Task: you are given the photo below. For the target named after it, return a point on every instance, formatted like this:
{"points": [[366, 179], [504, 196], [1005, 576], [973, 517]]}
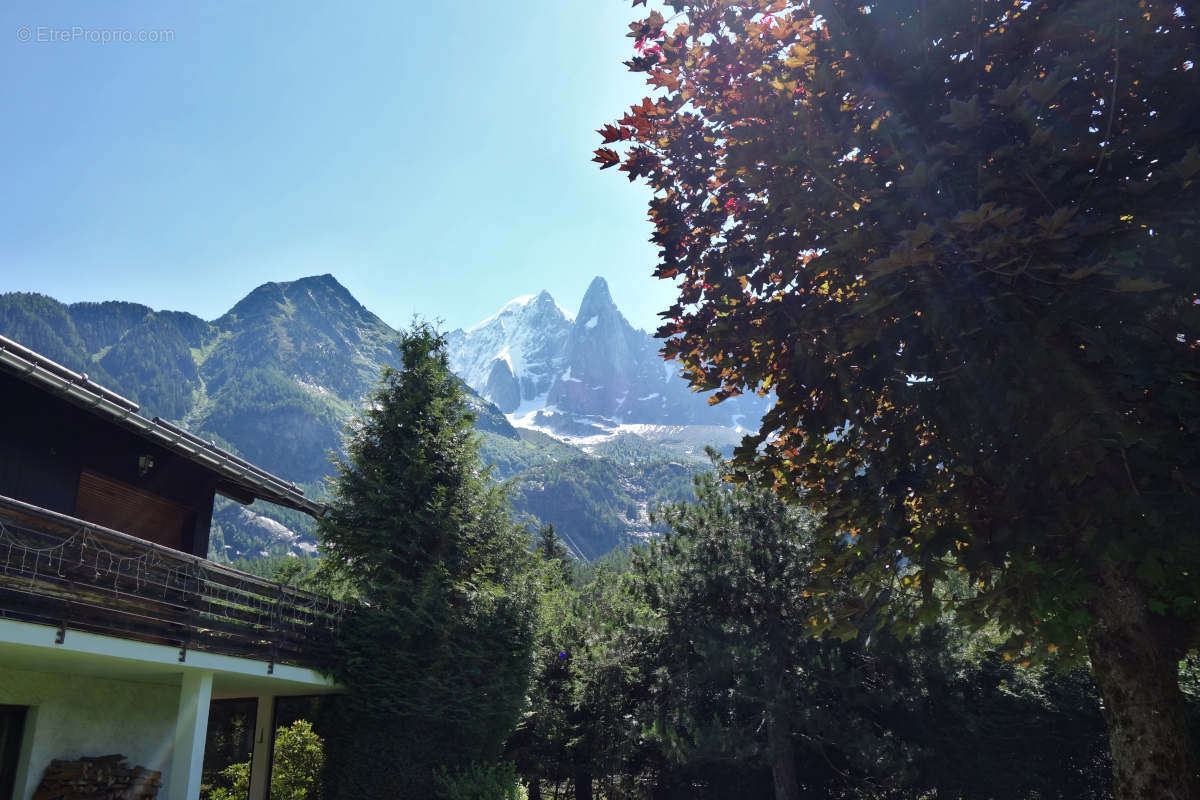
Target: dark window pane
{"points": [[12, 727], [229, 744]]}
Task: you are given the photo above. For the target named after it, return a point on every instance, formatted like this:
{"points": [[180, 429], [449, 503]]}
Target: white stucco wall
{"points": [[79, 715]]}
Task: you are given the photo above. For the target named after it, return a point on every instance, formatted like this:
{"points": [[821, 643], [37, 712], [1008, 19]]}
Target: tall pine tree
{"points": [[435, 660]]}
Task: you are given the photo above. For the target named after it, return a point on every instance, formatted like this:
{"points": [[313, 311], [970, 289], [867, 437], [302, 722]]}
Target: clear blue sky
{"points": [[433, 156]]}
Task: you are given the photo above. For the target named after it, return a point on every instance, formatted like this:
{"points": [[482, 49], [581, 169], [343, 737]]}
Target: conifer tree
{"points": [[734, 596], [435, 660], [551, 549]]}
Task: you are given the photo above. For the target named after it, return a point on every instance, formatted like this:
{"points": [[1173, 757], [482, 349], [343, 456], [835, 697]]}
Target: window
{"points": [[229, 745]]}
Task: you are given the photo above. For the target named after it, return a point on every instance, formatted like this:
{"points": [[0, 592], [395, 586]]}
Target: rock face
{"points": [[503, 388], [610, 366], [571, 372]]}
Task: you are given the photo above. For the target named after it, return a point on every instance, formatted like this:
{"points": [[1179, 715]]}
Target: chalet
{"points": [[117, 634]]}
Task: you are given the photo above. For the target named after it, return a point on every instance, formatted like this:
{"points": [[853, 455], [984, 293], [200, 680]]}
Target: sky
{"points": [[434, 157]]}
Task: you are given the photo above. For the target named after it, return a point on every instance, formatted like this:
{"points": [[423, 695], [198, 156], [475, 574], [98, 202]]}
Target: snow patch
{"points": [[527, 410], [309, 386], [593, 322], [689, 438]]}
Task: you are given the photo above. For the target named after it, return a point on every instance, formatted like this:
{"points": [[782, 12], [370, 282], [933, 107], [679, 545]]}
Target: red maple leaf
{"points": [[606, 158], [611, 133]]}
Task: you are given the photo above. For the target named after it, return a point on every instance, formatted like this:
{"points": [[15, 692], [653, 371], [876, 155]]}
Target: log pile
{"points": [[100, 778]]}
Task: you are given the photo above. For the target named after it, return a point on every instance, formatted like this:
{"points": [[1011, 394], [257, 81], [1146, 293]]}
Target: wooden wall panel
{"points": [[128, 509]]}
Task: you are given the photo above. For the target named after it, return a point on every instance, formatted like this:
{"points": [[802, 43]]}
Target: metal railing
{"points": [[65, 572]]}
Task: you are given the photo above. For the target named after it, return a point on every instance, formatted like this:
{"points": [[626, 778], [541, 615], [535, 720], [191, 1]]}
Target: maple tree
{"points": [[957, 241]]}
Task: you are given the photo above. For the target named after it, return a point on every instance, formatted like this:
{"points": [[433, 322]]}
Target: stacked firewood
{"points": [[100, 778]]}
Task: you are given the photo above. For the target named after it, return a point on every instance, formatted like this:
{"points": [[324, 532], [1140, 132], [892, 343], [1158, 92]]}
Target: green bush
{"points": [[480, 782], [295, 767]]}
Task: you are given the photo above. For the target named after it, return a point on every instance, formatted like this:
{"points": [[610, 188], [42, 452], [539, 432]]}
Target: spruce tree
{"points": [[551, 550], [435, 660]]}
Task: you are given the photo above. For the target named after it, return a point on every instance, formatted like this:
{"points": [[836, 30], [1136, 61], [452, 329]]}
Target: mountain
{"points": [[513, 356], [581, 376], [276, 378], [289, 365]]}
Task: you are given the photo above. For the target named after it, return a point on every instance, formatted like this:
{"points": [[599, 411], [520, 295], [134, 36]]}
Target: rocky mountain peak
{"points": [[325, 285], [275, 378], [316, 293], [514, 355], [597, 301], [537, 363], [262, 301]]}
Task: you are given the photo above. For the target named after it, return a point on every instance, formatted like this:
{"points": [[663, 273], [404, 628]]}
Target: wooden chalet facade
{"points": [[116, 632]]}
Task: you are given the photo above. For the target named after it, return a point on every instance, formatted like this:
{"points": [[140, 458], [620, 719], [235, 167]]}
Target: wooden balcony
{"points": [[60, 571]]}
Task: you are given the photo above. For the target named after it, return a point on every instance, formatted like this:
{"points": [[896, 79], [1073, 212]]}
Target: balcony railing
{"points": [[61, 571]]}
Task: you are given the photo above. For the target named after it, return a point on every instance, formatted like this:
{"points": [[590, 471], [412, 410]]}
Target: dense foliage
{"points": [[596, 501], [435, 657], [957, 241], [155, 356], [46, 325], [687, 672], [128, 347]]}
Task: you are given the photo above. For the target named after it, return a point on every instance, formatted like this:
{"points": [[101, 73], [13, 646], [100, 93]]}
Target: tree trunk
{"points": [[583, 786], [1137, 672], [535, 788], [783, 755]]}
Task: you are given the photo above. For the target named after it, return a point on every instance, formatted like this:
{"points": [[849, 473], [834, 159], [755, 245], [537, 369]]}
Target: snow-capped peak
{"points": [[532, 356], [510, 308], [527, 336]]}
